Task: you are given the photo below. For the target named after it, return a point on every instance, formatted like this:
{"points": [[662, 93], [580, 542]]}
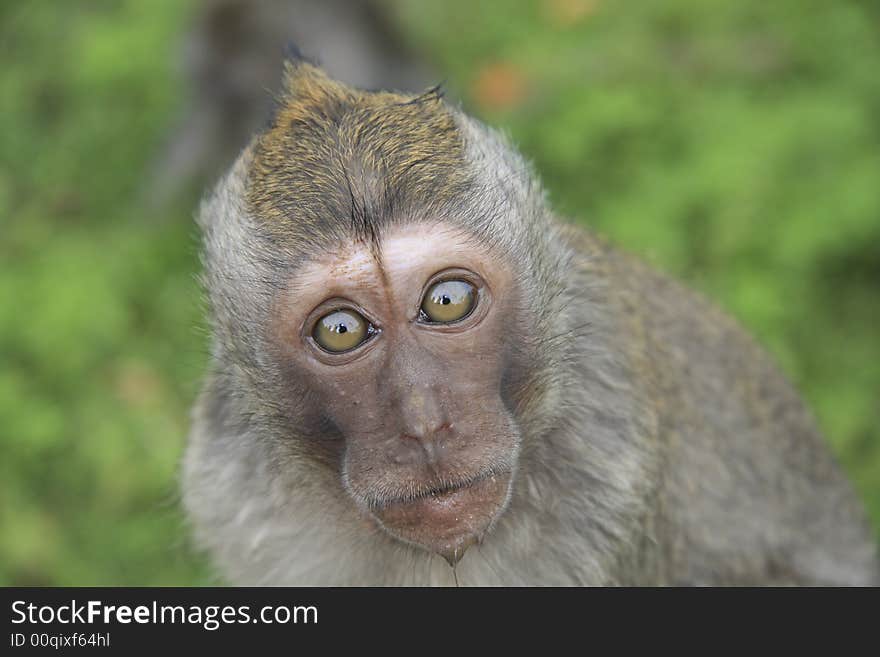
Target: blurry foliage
{"points": [[734, 144], [99, 307]]}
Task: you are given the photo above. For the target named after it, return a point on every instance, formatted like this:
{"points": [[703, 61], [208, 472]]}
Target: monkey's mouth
{"points": [[447, 520]]}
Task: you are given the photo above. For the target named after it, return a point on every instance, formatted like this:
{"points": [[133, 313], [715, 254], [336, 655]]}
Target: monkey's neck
{"points": [[589, 473]]}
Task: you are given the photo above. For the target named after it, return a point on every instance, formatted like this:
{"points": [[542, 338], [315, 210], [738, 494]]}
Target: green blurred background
{"points": [[735, 144]]}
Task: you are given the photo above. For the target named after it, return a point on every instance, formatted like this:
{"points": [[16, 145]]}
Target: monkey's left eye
{"points": [[449, 301], [341, 330]]}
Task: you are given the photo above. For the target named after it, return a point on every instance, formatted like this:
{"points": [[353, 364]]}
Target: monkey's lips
{"points": [[447, 521]]}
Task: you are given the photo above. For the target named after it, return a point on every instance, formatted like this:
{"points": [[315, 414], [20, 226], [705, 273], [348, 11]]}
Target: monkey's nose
{"points": [[430, 439], [422, 415]]}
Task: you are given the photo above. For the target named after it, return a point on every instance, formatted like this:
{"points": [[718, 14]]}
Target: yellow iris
{"points": [[449, 301], [341, 330]]}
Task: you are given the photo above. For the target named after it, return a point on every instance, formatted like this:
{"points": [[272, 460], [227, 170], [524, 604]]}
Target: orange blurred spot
{"points": [[137, 384], [499, 86], [565, 13]]}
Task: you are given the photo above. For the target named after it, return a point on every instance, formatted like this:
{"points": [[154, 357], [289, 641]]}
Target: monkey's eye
{"points": [[448, 301], [341, 330]]}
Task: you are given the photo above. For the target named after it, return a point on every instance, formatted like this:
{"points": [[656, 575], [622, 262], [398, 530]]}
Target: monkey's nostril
{"points": [[423, 435], [425, 446]]}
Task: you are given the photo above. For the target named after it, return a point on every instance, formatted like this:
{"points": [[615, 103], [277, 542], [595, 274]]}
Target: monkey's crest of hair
{"points": [[338, 159]]}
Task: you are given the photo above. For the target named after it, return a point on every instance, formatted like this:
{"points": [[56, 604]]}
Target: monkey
{"points": [[420, 375]]}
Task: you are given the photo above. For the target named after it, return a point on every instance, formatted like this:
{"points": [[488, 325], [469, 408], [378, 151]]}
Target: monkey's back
{"points": [[749, 491]]}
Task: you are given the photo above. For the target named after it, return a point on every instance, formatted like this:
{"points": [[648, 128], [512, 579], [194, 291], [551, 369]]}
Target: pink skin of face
{"points": [[430, 447]]}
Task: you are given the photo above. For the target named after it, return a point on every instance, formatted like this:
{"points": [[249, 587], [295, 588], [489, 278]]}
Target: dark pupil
{"points": [[444, 300], [341, 328]]}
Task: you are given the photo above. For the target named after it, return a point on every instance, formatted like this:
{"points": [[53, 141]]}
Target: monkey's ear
{"points": [[303, 80], [294, 57], [296, 67]]}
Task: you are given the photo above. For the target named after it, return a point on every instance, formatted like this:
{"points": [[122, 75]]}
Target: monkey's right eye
{"points": [[341, 330]]}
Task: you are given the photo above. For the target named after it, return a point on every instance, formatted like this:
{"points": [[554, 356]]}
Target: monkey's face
{"points": [[406, 349]]}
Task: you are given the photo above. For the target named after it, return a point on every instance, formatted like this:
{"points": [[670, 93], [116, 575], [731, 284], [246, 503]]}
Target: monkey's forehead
{"points": [[394, 269], [336, 159]]}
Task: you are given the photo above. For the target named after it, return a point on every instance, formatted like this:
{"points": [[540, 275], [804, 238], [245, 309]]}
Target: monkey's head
{"points": [[381, 280]]}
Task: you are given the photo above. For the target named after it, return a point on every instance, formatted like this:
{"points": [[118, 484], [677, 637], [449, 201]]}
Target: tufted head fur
{"points": [[342, 162]]}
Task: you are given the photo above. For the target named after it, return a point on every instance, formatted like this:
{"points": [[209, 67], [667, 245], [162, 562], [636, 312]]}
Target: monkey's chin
{"points": [[448, 522]]}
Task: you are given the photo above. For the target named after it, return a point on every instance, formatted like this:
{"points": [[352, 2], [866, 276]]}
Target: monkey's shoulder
{"points": [[691, 346], [747, 471]]}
